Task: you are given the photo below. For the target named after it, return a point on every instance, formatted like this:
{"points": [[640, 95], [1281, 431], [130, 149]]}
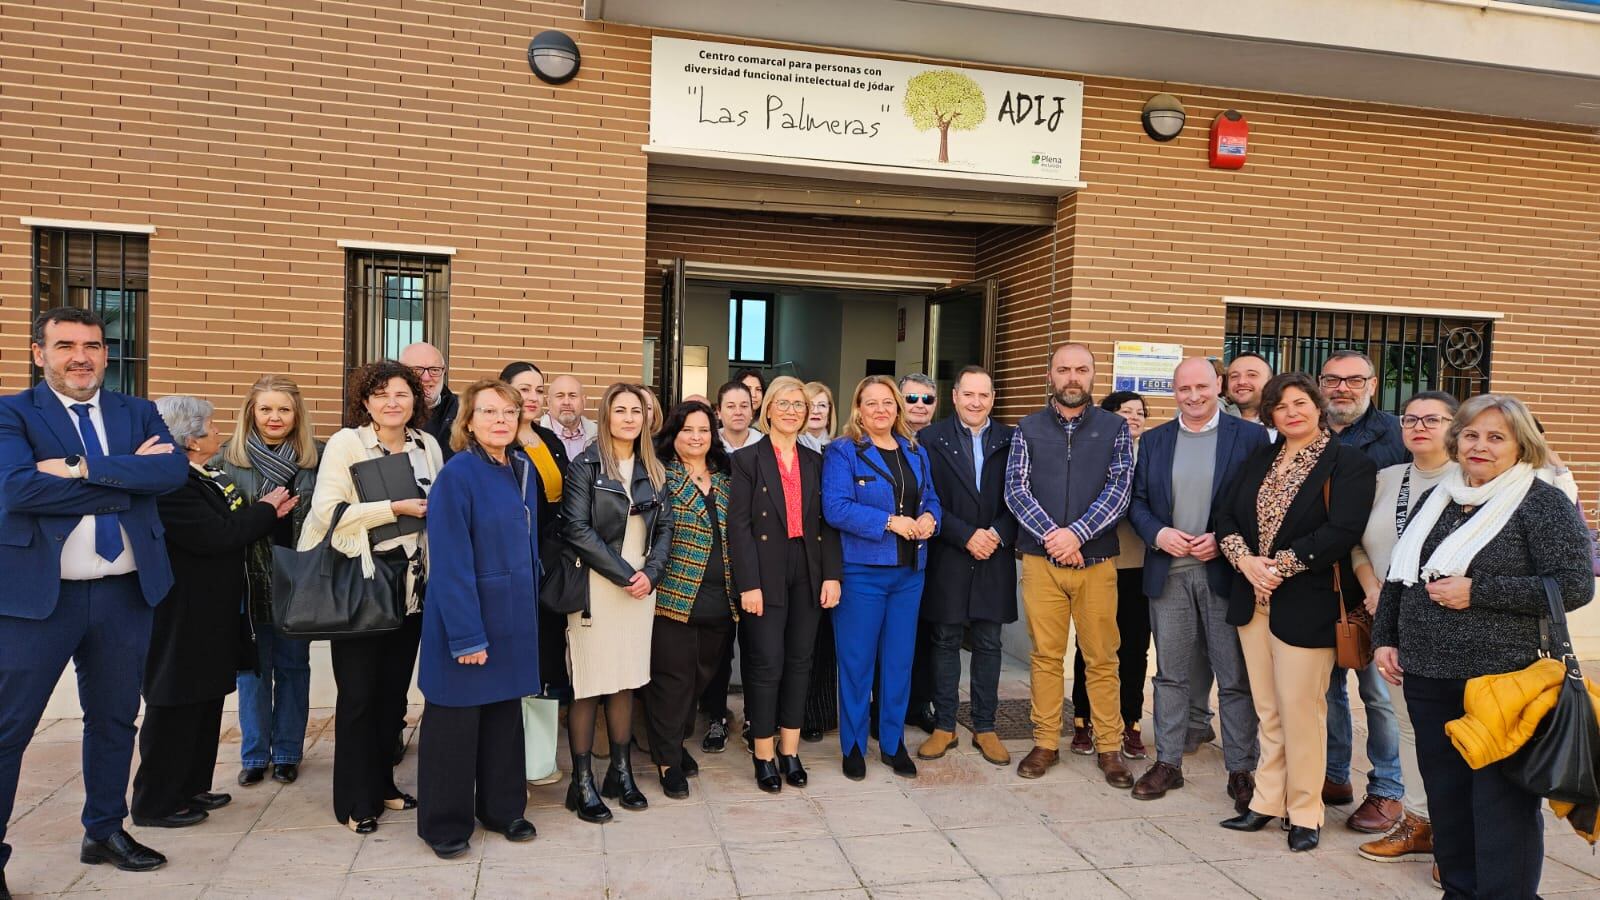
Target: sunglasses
{"points": [[639, 509], [923, 399]]}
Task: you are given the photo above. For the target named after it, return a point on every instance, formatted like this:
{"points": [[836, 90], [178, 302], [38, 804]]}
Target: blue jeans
{"points": [[984, 687], [1383, 733], [274, 706]]}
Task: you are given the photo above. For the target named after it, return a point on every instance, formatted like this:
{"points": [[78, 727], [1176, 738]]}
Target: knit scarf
{"points": [[278, 465], [1495, 501]]}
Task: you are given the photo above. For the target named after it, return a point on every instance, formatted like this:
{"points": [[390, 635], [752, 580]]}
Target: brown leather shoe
{"points": [[1082, 739], [1414, 834], [1242, 789], [1133, 743], [988, 744], [1116, 772], [1037, 762], [1375, 815], [1157, 780], [1336, 794], [937, 744]]}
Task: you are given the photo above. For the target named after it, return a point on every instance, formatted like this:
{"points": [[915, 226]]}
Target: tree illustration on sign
{"points": [[943, 99]]}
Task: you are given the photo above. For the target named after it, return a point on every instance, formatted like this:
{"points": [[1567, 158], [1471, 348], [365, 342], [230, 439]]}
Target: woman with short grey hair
{"points": [[198, 638]]}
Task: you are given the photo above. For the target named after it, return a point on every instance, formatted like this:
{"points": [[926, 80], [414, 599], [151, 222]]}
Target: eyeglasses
{"points": [[1430, 423], [509, 415], [1332, 382], [428, 371], [790, 405], [922, 399], [639, 509]]}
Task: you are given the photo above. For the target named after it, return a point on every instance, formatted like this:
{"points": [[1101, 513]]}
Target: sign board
{"points": [[799, 104], [1144, 367]]}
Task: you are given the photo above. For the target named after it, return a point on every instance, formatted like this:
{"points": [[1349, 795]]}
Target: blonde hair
{"points": [[815, 389], [644, 451], [856, 430], [781, 384], [1531, 446], [653, 404], [460, 436], [302, 436]]}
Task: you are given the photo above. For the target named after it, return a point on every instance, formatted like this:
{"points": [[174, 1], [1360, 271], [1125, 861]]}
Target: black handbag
{"points": [[565, 587], [321, 594], [1560, 760]]}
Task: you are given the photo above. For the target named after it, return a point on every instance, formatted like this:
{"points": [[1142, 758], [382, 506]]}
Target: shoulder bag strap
{"points": [[1553, 637], [1338, 588]]}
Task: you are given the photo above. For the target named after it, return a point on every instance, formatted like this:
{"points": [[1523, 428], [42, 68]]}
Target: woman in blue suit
{"points": [[480, 628], [878, 492]]}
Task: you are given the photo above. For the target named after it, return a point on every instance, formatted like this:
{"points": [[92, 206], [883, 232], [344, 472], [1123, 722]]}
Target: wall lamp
{"points": [[1162, 117], [554, 57]]}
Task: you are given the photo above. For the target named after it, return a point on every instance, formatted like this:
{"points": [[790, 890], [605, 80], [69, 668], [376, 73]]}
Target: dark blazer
{"points": [[38, 511], [549, 514], [857, 499], [483, 592], [758, 525], [1151, 507], [200, 639], [960, 588], [552, 626], [595, 508], [1304, 607]]}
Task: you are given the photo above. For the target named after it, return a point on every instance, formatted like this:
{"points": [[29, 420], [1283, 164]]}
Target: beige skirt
{"points": [[612, 652]]}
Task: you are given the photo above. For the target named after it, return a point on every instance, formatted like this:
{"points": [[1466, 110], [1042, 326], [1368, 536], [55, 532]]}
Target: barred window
{"points": [[393, 300], [105, 271]]}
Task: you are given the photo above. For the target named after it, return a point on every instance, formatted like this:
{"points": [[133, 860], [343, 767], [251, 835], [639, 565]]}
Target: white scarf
{"points": [[1496, 500]]}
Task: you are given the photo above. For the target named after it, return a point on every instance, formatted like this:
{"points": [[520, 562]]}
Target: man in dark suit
{"points": [[972, 566], [82, 549], [1183, 467]]}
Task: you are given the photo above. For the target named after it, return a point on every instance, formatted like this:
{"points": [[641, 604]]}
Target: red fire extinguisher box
{"points": [[1230, 139]]}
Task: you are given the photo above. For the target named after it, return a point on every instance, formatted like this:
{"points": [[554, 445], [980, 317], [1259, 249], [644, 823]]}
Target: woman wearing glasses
{"points": [[618, 519], [786, 569]]}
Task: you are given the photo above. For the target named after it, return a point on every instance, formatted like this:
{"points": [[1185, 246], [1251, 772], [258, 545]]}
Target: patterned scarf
{"points": [[278, 465]]}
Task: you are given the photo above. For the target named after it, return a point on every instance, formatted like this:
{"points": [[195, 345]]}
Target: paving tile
{"points": [[1074, 801], [699, 872], [974, 888], [1211, 842], [1182, 881], [791, 867], [557, 878], [137, 890], [970, 806], [560, 834], [1300, 875], [918, 856], [959, 769], [262, 855], [300, 805], [857, 894], [1023, 849], [326, 886], [193, 857], [782, 818], [658, 827], [879, 813], [56, 819], [400, 848], [1559, 878], [442, 882], [1054, 886], [1123, 842], [44, 868]]}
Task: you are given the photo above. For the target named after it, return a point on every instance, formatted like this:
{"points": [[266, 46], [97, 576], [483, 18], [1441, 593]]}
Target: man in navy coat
{"points": [[85, 564], [1184, 466]]}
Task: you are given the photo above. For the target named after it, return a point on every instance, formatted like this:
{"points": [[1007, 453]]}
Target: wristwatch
{"points": [[74, 464]]}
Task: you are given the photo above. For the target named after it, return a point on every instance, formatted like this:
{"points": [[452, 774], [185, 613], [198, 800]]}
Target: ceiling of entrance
{"points": [[1442, 54]]}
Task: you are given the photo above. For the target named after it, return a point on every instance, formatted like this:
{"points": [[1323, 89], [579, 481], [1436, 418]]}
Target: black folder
{"points": [[389, 478]]}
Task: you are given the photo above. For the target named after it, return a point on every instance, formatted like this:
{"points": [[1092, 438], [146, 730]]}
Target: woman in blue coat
{"points": [[480, 632], [877, 490]]}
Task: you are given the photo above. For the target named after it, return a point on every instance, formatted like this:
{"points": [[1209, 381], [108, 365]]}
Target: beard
{"points": [[1072, 397], [1347, 417]]}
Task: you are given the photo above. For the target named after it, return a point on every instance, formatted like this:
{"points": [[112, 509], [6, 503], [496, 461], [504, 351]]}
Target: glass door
{"points": [[960, 329]]}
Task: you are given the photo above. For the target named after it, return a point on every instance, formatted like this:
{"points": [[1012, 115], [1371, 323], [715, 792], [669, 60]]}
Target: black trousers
{"points": [[714, 698], [1133, 657], [177, 754], [684, 657], [469, 765], [1488, 834], [778, 648], [372, 675], [822, 698]]}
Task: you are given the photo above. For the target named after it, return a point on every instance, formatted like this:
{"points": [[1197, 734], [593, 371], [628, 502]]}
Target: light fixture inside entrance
{"points": [[554, 57], [1163, 117]]}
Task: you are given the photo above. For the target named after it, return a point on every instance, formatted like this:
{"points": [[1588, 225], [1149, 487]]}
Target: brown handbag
{"points": [[1352, 634]]}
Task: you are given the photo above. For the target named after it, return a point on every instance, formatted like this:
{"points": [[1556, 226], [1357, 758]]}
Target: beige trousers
{"points": [[1057, 599], [1289, 685]]}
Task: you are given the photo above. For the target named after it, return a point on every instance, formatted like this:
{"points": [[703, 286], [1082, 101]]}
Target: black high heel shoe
{"points": [[793, 771], [619, 784], [402, 802], [767, 777], [582, 796], [1303, 839], [1249, 820]]}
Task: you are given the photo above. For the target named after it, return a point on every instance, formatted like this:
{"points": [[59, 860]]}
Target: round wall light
{"points": [[554, 57], [1162, 117]]}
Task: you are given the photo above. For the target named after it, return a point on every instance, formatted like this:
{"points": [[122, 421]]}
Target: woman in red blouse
{"points": [[786, 565]]}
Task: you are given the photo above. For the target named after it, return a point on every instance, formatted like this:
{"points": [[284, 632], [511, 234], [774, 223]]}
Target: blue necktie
{"points": [[107, 532]]}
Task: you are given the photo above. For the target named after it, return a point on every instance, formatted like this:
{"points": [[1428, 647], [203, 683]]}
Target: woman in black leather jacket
{"points": [[619, 521]]}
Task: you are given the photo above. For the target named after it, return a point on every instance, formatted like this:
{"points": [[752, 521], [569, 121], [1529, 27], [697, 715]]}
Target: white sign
{"points": [[797, 104], [1145, 368]]}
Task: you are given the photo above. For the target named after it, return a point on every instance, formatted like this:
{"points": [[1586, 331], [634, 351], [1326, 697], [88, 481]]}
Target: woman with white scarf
{"points": [[1463, 598]]}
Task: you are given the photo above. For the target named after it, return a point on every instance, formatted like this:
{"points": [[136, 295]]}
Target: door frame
{"points": [[991, 316]]}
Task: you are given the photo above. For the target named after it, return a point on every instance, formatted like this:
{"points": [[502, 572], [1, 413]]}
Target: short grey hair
{"points": [[185, 417], [918, 378], [1531, 446]]}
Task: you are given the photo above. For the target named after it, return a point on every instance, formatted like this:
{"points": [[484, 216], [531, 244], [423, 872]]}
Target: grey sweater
{"points": [[1499, 630]]}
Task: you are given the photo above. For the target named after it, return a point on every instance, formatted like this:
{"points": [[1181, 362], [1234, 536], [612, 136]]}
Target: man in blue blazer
{"points": [[82, 551], [1184, 466]]}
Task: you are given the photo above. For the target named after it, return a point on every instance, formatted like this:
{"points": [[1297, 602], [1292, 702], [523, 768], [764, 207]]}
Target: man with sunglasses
{"points": [[922, 401]]}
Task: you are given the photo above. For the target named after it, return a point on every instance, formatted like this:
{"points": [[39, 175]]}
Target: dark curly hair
{"points": [[716, 456], [373, 378], [1272, 395]]}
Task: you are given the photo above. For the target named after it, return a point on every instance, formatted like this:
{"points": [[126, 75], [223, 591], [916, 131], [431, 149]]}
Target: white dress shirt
{"points": [[79, 561], [751, 438]]}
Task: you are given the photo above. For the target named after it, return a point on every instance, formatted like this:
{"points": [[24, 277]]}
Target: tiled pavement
{"points": [[964, 829]]}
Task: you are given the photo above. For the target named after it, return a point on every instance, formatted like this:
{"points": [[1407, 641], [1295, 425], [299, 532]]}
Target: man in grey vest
{"points": [[1183, 468], [1068, 482]]}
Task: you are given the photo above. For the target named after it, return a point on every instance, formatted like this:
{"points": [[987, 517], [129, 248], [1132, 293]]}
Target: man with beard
{"points": [[1247, 375], [425, 359], [566, 417], [1348, 381], [1068, 506]]}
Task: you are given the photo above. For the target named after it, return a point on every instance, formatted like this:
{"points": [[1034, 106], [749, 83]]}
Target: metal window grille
{"points": [[108, 272], [1411, 352], [392, 300]]}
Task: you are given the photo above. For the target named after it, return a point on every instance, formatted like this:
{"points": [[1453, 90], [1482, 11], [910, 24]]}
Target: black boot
{"points": [[582, 798], [793, 771], [619, 784], [767, 777]]}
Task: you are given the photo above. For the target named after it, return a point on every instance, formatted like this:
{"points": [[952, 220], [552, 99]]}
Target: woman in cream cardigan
{"points": [[384, 412]]}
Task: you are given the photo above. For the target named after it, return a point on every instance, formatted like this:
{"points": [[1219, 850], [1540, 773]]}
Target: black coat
{"points": [[758, 525], [595, 511], [200, 638], [552, 626], [1304, 607], [960, 588]]}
